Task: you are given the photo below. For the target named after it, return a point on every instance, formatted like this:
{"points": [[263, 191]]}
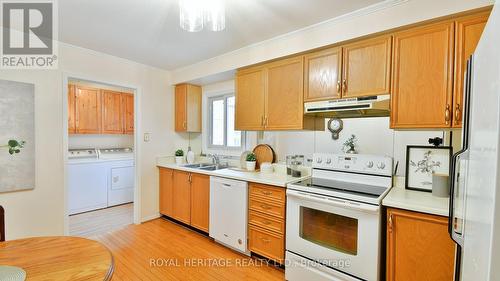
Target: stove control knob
{"points": [[328, 161], [319, 160], [369, 164], [381, 165]]}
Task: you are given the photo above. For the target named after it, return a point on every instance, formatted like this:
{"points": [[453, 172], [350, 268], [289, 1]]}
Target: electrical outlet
{"points": [[147, 137]]}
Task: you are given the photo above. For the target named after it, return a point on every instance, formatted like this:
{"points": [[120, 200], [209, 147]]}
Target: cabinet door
{"points": [[88, 110], [323, 75], [182, 197], [128, 113], [468, 32], [71, 109], [200, 197], [250, 99], [285, 95], [367, 67], [193, 109], [166, 191], [112, 113], [418, 247], [423, 77], [181, 108]]}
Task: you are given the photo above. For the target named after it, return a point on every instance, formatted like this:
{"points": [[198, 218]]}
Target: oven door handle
{"points": [[333, 201]]}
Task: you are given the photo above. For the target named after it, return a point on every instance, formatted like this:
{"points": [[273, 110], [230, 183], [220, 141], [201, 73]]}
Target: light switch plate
{"points": [[147, 137]]}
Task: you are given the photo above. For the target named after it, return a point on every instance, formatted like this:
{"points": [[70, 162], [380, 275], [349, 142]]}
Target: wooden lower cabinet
{"points": [[185, 197], [266, 221], [200, 201], [182, 197], [418, 247], [166, 191]]}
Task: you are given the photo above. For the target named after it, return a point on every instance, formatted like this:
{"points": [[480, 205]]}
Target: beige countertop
{"points": [[278, 178], [417, 201]]}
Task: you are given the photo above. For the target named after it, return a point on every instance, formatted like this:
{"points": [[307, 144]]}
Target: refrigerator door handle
{"points": [[454, 189]]}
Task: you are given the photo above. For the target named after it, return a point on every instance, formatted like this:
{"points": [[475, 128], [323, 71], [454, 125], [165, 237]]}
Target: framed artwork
{"points": [[422, 162], [17, 136]]}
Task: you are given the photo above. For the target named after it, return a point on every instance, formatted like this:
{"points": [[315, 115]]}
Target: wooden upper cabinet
{"points": [[200, 198], [422, 83], [418, 247], [112, 112], [367, 67], [284, 99], [468, 32], [250, 99], [323, 75], [187, 108], [166, 191], [128, 113], [71, 109], [88, 110], [181, 207]]}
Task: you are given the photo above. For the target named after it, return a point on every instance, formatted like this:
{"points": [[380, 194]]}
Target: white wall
{"points": [[42, 211], [100, 141], [387, 15]]}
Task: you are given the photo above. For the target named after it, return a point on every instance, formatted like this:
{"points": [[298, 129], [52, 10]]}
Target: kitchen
{"points": [[342, 145]]}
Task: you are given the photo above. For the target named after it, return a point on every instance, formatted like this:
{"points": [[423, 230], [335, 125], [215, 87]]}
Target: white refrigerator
{"points": [[475, 202]]}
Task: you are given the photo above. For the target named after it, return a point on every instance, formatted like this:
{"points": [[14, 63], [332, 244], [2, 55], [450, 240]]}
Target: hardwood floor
{"points": [[163, 250], [101, 221]]}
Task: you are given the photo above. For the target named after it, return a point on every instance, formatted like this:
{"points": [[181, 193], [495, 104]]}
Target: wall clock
{"points": [[335, 125]]}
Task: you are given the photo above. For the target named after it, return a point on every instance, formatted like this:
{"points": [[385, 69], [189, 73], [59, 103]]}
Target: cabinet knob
{"points": [[457, 114], [447, 114], [390, 222]]}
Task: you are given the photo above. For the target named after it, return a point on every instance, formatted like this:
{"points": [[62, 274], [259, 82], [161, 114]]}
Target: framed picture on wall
{"points": [[422, 162]]}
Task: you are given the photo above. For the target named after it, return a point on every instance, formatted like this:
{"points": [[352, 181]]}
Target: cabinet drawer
{"points": [[267, 207], [267, 244], [268, 192], [267, 222]]}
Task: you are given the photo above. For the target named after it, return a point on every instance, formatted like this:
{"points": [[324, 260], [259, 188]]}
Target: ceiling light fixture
{"points": [[194, 15]]}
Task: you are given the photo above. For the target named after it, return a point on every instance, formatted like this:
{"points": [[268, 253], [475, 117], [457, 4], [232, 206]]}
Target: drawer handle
{"points": [[266, 222], [447, 114], [266, 192], [265, 207], [265, 240]]}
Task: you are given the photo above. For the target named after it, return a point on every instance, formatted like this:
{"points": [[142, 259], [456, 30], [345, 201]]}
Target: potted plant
{"points": [[179, 156], [251, 160]]}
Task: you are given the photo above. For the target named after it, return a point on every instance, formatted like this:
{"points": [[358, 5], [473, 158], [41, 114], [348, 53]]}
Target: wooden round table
{"points": [[58, 258]]}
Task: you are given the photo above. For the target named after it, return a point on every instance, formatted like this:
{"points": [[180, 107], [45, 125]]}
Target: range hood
{"points": [[372, 106]]}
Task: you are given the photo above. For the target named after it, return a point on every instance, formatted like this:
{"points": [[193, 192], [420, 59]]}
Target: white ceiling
{"points": [[147, 31]]}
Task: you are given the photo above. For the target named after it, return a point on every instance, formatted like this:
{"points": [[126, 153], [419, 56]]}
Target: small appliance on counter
{"points": [[333, 220]]}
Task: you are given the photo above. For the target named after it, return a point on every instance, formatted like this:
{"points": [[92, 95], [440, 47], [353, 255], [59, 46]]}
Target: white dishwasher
{"points": [[228, 213]]}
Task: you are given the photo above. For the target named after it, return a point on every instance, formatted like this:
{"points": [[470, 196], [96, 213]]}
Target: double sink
{"points": [[207, 167]]}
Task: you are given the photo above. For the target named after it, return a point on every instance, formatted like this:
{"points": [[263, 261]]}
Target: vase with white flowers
{"points": [[350, 145]]}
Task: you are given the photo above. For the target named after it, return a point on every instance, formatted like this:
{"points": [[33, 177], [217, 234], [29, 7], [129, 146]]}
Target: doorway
{"points": [[101, 178]]}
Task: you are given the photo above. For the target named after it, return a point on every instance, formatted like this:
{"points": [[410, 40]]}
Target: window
{"points": [[221, 123]]}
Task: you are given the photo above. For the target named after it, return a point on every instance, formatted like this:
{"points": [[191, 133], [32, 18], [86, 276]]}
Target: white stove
{"points": [[333, 225]]}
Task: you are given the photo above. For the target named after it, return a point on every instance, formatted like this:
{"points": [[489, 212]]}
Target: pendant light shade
{"points": [[194, 15]]}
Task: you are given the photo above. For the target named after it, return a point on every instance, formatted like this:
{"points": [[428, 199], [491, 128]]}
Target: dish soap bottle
{"points": [[190, 156]]}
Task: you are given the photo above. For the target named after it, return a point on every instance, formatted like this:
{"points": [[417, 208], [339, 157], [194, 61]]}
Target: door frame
{"points": [[137, 140]]}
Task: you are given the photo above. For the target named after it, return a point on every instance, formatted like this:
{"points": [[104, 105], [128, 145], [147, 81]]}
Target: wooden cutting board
{"points": [[263, 153]]}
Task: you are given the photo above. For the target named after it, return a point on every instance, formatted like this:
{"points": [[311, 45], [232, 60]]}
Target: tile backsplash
{"points": [[373, 134]]}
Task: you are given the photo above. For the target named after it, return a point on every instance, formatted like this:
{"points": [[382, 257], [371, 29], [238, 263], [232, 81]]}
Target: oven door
{"points": [[341, 234]]}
